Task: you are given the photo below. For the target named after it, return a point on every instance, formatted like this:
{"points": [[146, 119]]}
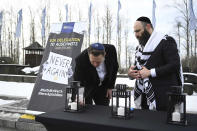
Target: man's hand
{"points": [[144, 73], [133, 73], [109, 93]]}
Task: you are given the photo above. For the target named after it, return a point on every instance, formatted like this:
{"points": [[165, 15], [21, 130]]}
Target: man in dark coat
{"points": [[96, 69], [156, 68]]}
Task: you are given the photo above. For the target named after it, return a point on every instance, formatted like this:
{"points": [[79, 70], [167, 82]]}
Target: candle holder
{"points": [[121, 93], [75, 101], [176, 107]]}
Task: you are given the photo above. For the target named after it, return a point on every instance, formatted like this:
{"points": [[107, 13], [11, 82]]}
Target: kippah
{"points": [[97, 46], [144, 19]]}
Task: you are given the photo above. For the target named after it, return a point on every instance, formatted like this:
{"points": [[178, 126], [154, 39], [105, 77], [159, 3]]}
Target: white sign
{"points": [[56, 68]]}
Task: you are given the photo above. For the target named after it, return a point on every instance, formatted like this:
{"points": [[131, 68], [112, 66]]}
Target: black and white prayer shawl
{"points": [[144, 85], [141, 58]]}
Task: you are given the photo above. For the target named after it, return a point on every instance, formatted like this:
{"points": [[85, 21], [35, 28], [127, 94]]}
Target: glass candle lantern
{"points": [[176, 113], [75, 101], [121, 102]]}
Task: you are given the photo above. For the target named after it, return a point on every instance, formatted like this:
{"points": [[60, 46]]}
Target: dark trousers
{"points": [[144, 102], [98, 94]]}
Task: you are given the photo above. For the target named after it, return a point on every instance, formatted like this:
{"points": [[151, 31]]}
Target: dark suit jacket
{"points": [[87, 74], [165, 59]]}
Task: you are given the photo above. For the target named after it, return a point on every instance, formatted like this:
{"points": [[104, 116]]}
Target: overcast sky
{"points": [[131, 10]]}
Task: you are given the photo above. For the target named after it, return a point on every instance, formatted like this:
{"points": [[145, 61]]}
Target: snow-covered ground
{"points": [[4, 102], [126, 81], [16, 89], [29, 70], [191, 105], [21, 89], [25, 89]]}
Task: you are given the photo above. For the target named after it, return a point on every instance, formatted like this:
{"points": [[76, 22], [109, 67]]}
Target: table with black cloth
{"points": [[98, 118]]}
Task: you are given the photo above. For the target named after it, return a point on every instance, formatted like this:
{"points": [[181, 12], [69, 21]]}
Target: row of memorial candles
{"points": [[121, 103]]}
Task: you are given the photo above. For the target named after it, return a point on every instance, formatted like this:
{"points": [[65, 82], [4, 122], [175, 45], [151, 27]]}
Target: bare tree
{"points": [[126, 32], [183, 10], [103, 35], [195, 38], [191, 50], [32, 27], [79, 14], [98, 28], [119, 41], [12, 25], [3, 36], [60, 15], [1, 25], [178, 25], [43, 26], [107, 22], [131, 51]]}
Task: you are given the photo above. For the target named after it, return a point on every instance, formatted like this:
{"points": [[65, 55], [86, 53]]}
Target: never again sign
{"points": [[56, 68]]}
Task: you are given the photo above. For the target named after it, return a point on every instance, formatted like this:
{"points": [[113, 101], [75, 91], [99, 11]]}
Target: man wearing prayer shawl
{"points": [[157, 67]]}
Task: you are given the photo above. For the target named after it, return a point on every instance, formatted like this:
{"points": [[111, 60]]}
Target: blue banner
{"points": [[18, 27], [153, 14], [192, 17], [66, 7], [90, 16], [43, 22]]}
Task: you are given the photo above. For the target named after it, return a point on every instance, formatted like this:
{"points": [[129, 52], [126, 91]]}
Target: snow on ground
{"points": [[29, 70], [126, 81], [25, 90], [16, 89], [191, 103], [4, 102]]}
